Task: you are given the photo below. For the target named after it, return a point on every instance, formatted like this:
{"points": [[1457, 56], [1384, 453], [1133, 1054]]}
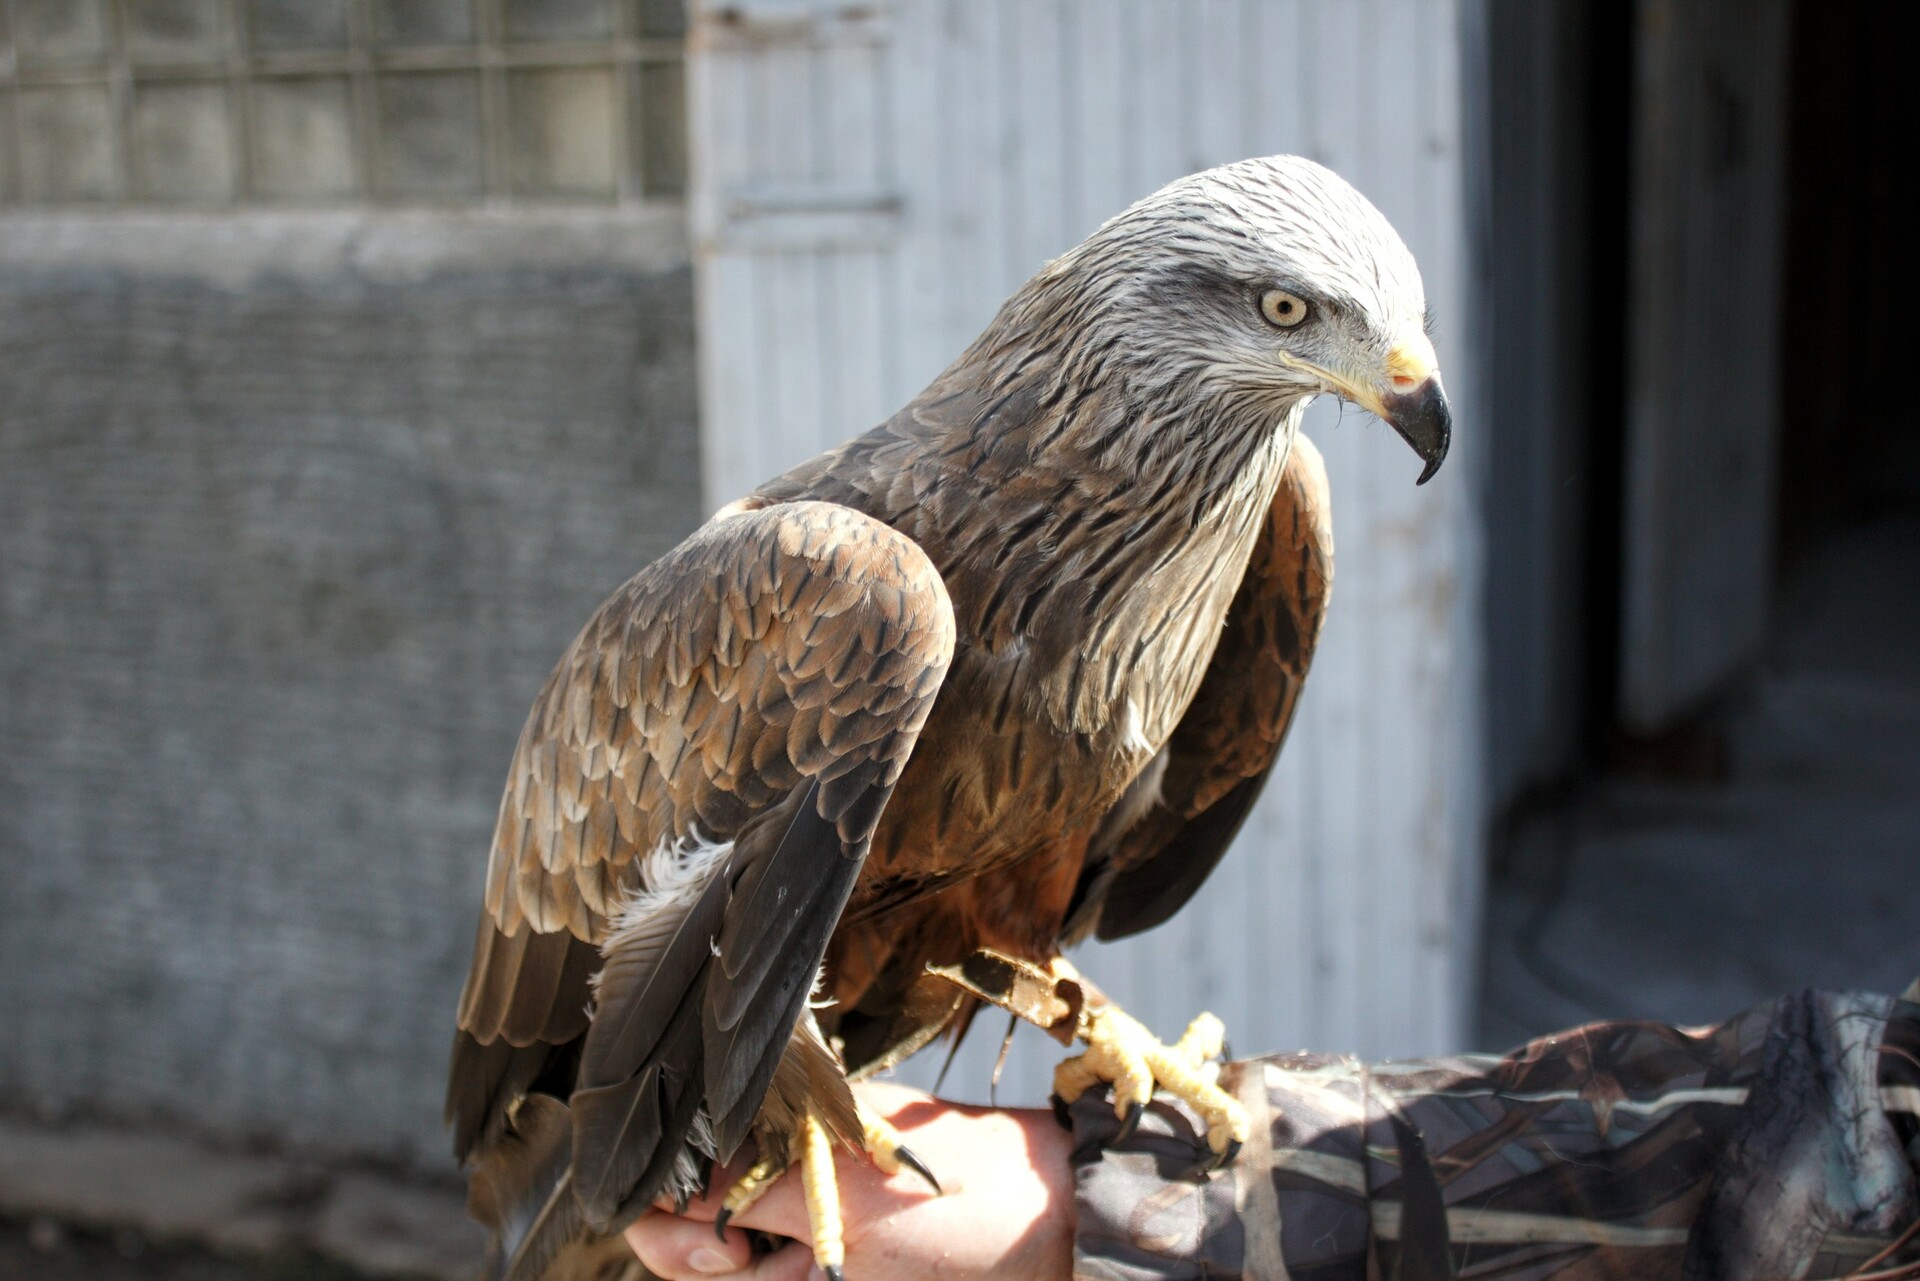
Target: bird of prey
{"points": [[881, 739]]}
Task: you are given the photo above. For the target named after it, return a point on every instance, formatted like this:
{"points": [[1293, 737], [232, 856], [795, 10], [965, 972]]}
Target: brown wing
{"points": [[1223, 748], [759, 688]]}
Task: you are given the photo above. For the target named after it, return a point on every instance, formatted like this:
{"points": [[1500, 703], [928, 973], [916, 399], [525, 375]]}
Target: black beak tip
{"points": [[1425, 420], [1432, 468]]}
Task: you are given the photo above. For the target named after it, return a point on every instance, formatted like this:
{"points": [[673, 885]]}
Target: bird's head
{"points": [[1258, 285]]}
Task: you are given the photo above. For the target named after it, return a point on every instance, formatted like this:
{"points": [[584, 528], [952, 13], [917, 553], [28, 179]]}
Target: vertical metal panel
{"points": [[1543, 402], [1709, 174], [1007, 130]]}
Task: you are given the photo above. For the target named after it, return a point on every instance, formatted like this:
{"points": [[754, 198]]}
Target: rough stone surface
{"points": [[284, 556], [148, 1187], [46, 1249], [387, 1227]]}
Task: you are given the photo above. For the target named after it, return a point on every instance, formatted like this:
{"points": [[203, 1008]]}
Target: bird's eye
{"points": [[1282, 308]]}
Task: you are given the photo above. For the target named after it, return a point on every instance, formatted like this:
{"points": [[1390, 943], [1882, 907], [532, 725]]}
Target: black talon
{"points": [[835, 1274], [1211, 1163], [1130, 1122], [720, 1224], [1226, 1050], [905, 1155]]}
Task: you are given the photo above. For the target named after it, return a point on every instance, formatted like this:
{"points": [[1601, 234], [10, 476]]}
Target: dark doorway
{"points": [[1851, 448], [1761, 830]]}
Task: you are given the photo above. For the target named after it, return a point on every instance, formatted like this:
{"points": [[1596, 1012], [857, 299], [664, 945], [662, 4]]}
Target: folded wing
{"points": [[686, 811]]}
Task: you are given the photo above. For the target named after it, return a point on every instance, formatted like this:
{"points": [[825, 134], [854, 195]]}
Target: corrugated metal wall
{"points": [[871, 181]]}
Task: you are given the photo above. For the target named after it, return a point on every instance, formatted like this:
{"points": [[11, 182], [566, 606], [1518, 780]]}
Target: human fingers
{"points": [[1006, 1211], [974, 1152], [781, 1208], [865, 1190], [678, 1249]]}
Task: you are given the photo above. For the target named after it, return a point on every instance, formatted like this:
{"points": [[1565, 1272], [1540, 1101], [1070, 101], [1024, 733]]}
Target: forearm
{"points": [[1784, 1140]]}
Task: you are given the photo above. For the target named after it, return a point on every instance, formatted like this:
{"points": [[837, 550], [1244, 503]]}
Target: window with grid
{"points": [[225, 102]]}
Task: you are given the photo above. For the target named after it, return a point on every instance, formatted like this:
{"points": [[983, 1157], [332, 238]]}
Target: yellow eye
{"points": [[1282, 308]]}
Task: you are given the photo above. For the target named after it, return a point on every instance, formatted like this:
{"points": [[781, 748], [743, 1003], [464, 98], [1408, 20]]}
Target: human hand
{"points": [[1006, 1212]]}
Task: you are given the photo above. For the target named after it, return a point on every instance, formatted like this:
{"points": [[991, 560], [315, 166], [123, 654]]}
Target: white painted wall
{"points": [[871, 181]]}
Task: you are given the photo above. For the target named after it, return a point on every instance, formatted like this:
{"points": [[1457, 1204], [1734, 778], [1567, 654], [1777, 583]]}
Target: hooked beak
{"points": [[1413, 402], [1424, 420]]}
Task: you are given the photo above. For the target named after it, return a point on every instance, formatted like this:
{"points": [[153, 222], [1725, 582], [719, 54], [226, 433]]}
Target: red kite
{"points": [[1008, 670]]}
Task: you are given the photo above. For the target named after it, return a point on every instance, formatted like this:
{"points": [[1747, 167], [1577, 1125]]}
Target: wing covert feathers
{"points": [[750, 699], [1225, 745], [774, 644]]}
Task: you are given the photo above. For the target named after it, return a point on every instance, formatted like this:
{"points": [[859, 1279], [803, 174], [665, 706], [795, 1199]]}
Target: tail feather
{"points": [[542, 1236], [632, 1137], [522, 1189]]}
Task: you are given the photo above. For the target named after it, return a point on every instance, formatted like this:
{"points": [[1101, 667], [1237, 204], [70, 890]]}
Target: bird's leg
{"points": [[1120, 1051], [749, 1188], [887, 1152], [822, 1188], [811, 1146]]}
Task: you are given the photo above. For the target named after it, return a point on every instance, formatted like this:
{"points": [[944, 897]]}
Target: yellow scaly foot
{"points": [[812, 1147], [747, 1189], [1061, 1002], [1121, 1051], [823, 1197], [889, 1153]]}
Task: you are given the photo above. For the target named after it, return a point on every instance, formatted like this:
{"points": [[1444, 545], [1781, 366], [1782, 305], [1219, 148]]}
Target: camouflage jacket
{"points": [[1782, 1143]]}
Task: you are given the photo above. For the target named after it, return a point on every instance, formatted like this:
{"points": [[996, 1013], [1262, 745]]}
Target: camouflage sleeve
{"points": [[1784, 1142]]}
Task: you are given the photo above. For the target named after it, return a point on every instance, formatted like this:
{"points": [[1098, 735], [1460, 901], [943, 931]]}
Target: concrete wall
{"points": [[296, 510]]}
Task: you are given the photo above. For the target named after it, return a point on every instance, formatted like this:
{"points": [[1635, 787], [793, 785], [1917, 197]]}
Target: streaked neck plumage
{"points": [[1124, 508]]}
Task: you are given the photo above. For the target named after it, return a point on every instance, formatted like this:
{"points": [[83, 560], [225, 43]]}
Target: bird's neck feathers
{"points": [[1058, 388], [1106, 489]]}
